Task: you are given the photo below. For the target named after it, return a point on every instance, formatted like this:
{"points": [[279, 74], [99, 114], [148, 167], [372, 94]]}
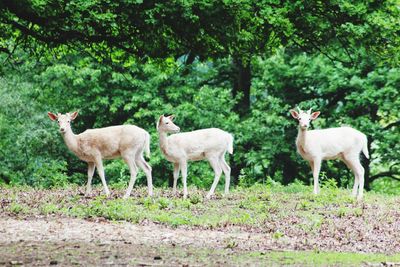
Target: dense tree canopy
{"points": [[160, 29]]}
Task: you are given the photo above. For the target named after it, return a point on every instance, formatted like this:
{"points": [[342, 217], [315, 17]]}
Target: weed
{"points": [[358, 212], [231, 243], [49, 208], [278, 235], [18, 208], [341, 212], [305, 204], [195, 199], [163, 203]]}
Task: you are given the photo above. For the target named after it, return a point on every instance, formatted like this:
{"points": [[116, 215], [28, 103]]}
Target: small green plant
{"points": [[327, 182], [341, 212], [163, 203], [316, 221], [231, 243], [18, 208], [278, 235], [358, 212], [264, 196], [304, 204], [184, 203], [195, 199], [149, 203], [296, 187], [273, 206], [49, 208]]}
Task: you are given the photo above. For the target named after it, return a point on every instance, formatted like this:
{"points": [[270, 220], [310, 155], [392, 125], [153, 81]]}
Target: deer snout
{"points": [[62, 130]]}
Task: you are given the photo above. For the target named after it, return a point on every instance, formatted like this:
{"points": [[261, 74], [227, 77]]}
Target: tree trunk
{"points": [[289, 168], [190, 57], [241, 85], [5, 178]]}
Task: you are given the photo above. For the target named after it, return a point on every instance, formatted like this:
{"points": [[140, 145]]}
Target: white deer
{"points": [[210, 144], [344, 143], [94, 145]]}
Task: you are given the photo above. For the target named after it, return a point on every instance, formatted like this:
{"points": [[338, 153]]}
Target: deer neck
{"points": [[301, 138], [71, 140], [163, 142]]}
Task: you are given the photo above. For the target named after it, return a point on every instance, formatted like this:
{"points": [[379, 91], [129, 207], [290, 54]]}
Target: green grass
{"points": [[244, 206], [320, 258], [18, 208]]}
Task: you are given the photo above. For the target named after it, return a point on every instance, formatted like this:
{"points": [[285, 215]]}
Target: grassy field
{"points": [[283, 225]]}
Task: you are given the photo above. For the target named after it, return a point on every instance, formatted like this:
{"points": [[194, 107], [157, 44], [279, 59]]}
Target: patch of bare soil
{"points": [[66, 241]]}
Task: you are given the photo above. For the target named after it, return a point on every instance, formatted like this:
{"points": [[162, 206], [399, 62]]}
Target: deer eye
{"points": [[167, 123]]}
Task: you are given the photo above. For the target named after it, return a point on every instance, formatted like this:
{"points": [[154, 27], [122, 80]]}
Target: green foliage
{"points": [[49, 209], [218, 29], [125, 62], [200, 97], [49, 173], [29, 153], [387, 186], [18, 208]]}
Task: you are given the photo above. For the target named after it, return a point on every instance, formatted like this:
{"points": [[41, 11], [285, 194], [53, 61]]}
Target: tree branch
{"points": [[390, 125], [389, 174], [5, 50]]}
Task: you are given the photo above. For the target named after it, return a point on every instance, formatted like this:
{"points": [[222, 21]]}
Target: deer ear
{"points": [[74, 115], [52, 116], [294, 113], [172, 117], [159, 121], [315, 115]]}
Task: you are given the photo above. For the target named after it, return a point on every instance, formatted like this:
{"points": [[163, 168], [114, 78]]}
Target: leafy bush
{"points": [[49, 173]]}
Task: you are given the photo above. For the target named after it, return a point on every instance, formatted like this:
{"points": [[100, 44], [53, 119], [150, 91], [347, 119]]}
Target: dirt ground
{"points": [[65, 241], [59, 241], [30, 238]]}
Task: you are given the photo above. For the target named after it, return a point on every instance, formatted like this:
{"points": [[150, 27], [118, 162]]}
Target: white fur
{"points": [[344, 143], [210, 144], [92, 146]]}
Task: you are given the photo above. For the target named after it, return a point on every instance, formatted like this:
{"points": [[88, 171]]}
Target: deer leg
{"points": [[311, 165], [183, 167], [227, 171], [176, 175], [215, 164], [316, 169], [361, 173], [100, 171], [141, 162], [133, 170], [90, 173], [356, 178], [358, 170]]}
